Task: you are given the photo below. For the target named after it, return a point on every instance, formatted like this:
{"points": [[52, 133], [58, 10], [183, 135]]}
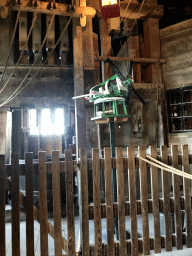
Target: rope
{"points": [[166, 167], [32, 25], [15, 95], [12, 39]]}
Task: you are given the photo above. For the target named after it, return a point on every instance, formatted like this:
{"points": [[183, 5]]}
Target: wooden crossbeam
{"points": [[141, 60]]}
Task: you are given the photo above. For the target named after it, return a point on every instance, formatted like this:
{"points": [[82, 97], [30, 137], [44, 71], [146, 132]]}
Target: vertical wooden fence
{"points": [[156, 199]]}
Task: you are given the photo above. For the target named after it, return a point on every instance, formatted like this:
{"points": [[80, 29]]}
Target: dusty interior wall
{"points": [[176, 49]]}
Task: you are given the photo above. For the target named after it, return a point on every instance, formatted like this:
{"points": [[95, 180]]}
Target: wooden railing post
{"points": [[97, 201], [70, 202], [2, 205], [56, 202], [177, 200], [15, 205], [166, 200], [144, 201], [187, 195], [109, 201], [29, 203], [43, 204], [84, 213], [155, 202], [133, 202], [121, 201]]}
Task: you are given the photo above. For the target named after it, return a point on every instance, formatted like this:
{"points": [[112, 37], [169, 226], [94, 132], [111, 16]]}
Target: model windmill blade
{"points": [[129, 84]]}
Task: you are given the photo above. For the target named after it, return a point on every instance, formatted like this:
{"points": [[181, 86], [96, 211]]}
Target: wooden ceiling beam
{"points": [[135, 11]]}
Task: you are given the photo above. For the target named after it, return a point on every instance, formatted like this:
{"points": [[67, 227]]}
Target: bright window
{"points": [[108, 2], [47, 126]]}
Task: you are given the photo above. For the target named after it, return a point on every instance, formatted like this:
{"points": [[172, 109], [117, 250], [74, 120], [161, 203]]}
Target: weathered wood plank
{"points": [[56, 202], [70, 202], [187, 195], [133, 202], [109, 201], [2, 205], [84, 202], [15, 205], [97, 201], [43, 204], [29, 204], [155, 202], [166, 201], [121, 201], [144, 201], [177, 202]]}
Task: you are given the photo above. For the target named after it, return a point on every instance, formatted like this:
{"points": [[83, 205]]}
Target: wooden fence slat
{"points": [[84, 202], [121, 201], [109, 201], [133, 202], [155, 201], [97, 201], [187, 195], [56, 202], [29, 204], [177, 202], [43, 204], [166, 200], [15, 205], [2, 206], [144, 201], [70, 202]]}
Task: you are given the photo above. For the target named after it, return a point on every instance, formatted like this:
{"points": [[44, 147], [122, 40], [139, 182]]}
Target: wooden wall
{"points": [[176, 49]]}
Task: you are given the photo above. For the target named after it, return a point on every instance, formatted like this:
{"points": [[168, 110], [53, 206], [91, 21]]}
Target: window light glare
{"points": [[47, 128], [108, 2]]}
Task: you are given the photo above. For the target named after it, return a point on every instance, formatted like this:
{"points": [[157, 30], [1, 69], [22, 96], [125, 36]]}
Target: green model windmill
{"points": [[111, 97]]}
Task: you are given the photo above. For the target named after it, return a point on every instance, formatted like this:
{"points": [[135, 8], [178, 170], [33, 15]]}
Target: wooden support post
{"points": [[105, 48], [152, 50], [79, 86], [16, 131], [136, 54], [88, 52]]}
